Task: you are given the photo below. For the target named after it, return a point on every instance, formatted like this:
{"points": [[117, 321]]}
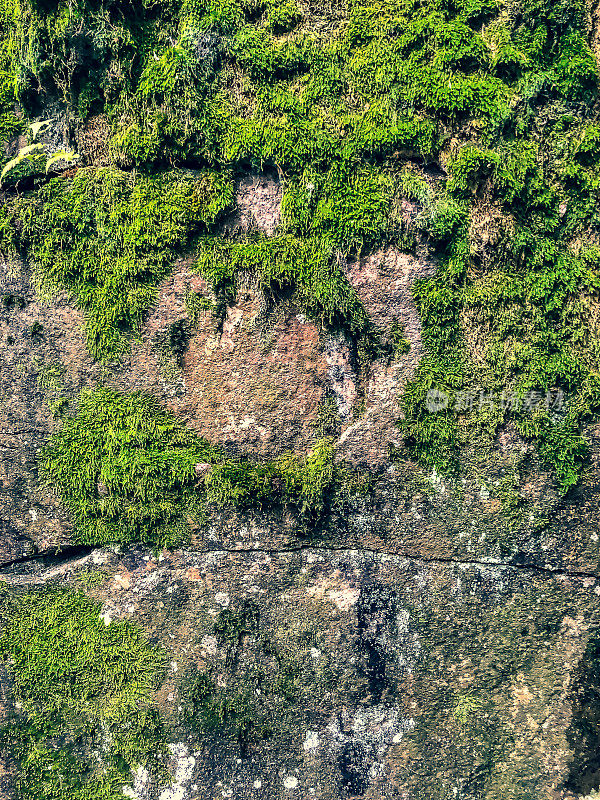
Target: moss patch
{"points": [[109, 238], [84, 689], [502, 94], [128, 471]]}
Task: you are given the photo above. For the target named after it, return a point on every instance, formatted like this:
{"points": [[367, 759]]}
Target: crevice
{"points": [[53, 564], [73, 556], [415, 558]]}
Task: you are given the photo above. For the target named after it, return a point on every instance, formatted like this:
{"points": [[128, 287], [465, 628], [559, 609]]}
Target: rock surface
{"points": [[432, 643], [432, 639]]}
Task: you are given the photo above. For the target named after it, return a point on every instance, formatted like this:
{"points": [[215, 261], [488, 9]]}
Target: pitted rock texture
{"points": [[43, 363]]}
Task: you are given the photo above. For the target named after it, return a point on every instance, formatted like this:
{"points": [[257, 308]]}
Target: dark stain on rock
{"points": [[377, 628], [354, 760]]}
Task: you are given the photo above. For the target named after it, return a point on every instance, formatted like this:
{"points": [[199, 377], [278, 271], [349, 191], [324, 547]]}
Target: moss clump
{"points": [[285, 264], [176, 98], [196, 305], [505, 323], [109, 238], [399, 343], [126, 470], [235, 711], [302, 481], [10, 124], [13, 301], [238, 709], [84, 689]]}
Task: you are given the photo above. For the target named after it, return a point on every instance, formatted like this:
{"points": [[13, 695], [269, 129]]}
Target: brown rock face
{"points": [[258, 396], [258, 204], [401, 673], [384, 282]]}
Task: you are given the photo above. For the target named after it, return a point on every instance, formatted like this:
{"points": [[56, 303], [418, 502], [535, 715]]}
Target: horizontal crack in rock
{"points": [[76, 556]]}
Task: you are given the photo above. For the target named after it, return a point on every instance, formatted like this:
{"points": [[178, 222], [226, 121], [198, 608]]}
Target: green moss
{"points": [[84, 689], [523, 305], [506, 91], [126, 471], [347, 207], [178, 338], [109, 238], [10, 124], [91, 578], [196, 304], [305, 266], [11, 301], [50, 376], [301, 481], [400, 344]]}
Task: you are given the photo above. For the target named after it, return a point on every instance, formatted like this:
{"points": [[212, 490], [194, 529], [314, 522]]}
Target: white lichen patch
{"points": [[311, 741], [344, 598], [141, 784], [209, 645], [368, 731], [336, 590], [105, 617], [222, 599], [182, 769]]}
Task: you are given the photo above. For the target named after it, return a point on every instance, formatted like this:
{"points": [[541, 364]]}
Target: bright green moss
{"points": [[10, 124], [523, 306], [84, 689], [109, 238], [347, 207], [304, 482], [285, 262], [196, 305], [232, 92], [126, 471], [505, 89], [534, 331]]}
